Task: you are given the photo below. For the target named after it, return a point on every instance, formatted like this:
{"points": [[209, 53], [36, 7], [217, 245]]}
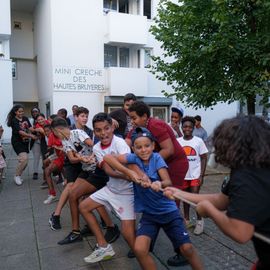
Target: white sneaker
{"points": [[100, 254], [18, 180], [199, 227], [50, 199]]}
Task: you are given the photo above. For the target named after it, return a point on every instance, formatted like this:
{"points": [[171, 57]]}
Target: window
{"points": [[138, 58], [110, 4], [14, 70], [160, 113], [110, 56], [147, 10], [147, 57], [124, 57], [123, 6], [111, 109], [115, 56]]}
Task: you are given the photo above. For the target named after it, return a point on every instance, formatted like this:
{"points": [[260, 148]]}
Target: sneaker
{"points": [[44, 185], [177, 260], [50, 199], [35, 176], [71, 238], [18, 180], [54, 222], [112, 233], [86, 231], [100, 254], [199, 227], [131, 254]]}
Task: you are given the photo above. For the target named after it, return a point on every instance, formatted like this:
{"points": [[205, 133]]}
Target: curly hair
{"points": [[242, 141], [188, 119], [12, 113], [140, 108]]}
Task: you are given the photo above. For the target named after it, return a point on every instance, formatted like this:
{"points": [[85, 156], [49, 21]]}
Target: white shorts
{"points": [[122, 205]]}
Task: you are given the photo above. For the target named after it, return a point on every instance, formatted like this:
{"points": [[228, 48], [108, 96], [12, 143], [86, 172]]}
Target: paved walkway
{"points": [[27, 242]]}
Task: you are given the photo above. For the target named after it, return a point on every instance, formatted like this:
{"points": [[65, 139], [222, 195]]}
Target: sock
{"points": [[52, 192], [76, 231]]}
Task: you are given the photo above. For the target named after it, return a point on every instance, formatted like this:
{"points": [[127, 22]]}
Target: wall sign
{"points": [[78, 79]]}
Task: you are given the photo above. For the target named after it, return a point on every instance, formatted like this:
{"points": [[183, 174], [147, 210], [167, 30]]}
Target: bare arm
{"points": [[27, 135], [236, 229], [167, 148], [165, 180], [203, 166], [116, 162], [219, 200]]}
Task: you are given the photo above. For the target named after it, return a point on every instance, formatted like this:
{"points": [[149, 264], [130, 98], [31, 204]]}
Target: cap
{"points": [[35, 110], [178, 109], [141, 132]]}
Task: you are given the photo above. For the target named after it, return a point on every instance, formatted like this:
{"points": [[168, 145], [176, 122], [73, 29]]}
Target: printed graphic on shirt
{"points": [[76, 143]]}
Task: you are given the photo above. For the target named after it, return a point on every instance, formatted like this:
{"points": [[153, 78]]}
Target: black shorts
{"points": [[97, 180], [72, 171]]}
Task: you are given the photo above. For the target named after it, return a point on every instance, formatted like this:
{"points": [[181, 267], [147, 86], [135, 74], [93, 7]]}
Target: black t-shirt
{"points": [[248, 190], [121, 117]]}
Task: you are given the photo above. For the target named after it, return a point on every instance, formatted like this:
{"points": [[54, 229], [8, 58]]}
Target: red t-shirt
{"points": [[37, 125], [54, 141], [177, 163]]}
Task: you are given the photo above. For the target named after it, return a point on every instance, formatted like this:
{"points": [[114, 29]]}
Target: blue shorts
{"points": [[172, 224]]}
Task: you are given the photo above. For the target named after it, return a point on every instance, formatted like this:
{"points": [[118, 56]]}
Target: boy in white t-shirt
{"points": [[196, 152], [117, 195]]}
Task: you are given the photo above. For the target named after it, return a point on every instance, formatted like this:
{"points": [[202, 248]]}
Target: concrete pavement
{"points": [[28, 243]]}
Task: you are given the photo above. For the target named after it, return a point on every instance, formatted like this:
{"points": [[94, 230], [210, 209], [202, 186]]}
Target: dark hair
{"points": [[62, 111], [188, 119], [101, 117], [129, 96], [53, 116], [12, 113], [242, 141], [59, 122], [40, 114], [140, 108], [198, 118], [47, 126], [81, 110]]}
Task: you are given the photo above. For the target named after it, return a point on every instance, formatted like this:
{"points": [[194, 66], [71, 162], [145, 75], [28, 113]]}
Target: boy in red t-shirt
{"points": [[52, 164]]}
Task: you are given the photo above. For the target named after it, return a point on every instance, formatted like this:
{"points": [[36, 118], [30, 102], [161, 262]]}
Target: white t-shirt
{"points": [[118, 146], [193, 149], [76, 143]]}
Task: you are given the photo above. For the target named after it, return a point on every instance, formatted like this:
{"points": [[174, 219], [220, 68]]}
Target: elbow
{"points": [[242, 237]]}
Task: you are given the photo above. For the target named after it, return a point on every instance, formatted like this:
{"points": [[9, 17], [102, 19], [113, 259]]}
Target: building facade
{"points": [[54, 54]]}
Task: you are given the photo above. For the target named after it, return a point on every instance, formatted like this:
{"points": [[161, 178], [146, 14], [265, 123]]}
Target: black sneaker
{"points": [[44, 185], [131, 254], [35, 176], [71, 238], [86, 231], [112, 233], [54, 222], [177, 260]]}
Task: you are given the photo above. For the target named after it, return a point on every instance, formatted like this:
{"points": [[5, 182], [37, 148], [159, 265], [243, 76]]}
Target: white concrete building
{"points": [[56, 53]]}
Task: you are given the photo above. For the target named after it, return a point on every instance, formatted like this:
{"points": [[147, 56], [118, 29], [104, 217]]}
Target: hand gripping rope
{"points": [[256, 234]]}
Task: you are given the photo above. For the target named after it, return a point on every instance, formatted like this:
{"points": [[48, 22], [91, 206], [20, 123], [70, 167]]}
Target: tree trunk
{"points": [[251, 100]]}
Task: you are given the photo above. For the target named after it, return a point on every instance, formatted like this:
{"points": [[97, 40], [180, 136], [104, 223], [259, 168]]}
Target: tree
{"points": [[218, 50]]}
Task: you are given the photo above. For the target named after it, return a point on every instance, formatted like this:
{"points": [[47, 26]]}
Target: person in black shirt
{"points": [[243, 145], [21, 135], [121, 119]]}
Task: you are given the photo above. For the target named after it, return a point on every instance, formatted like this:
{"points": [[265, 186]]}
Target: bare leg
{"points": [[141, 249], [86, 209], [189, 252], [128, 231], [196, 190], [78, 189], [63, 199]]}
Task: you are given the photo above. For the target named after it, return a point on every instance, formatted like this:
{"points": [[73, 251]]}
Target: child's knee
{"points": [[140, 251], [187, 250]]}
